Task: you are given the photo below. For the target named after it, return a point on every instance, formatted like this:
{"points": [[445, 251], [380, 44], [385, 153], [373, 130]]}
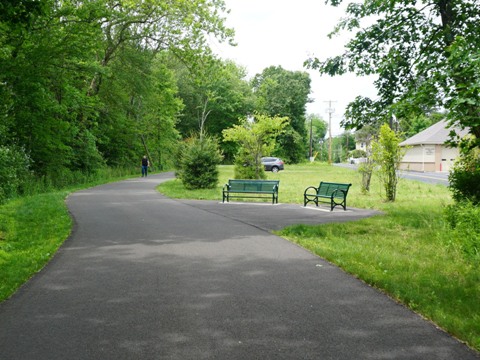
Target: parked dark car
{"points": [[272, 164]]}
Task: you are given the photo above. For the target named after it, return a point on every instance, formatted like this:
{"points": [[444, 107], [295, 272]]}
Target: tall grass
{"points": [[72, 179], [404, 252]]}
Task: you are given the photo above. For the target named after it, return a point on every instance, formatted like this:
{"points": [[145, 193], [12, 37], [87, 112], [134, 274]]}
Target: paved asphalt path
{"points": [[147, 277]]}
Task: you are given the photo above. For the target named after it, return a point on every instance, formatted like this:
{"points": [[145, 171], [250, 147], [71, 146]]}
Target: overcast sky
{"points": [[286, 33]]}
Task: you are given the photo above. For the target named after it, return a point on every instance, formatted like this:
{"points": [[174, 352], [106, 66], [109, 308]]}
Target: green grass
{"points": [[404, 252], [32, 230]]}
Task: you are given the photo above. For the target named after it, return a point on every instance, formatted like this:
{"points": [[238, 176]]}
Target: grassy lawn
{"points": [[405, 252]]}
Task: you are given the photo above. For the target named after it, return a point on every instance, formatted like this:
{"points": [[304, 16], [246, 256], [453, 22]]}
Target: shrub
{"points": [[255, 137], [247, 167], [463, 219], [366, 170], [464, 179], [387, 154], [197, 163], [357, 153]]}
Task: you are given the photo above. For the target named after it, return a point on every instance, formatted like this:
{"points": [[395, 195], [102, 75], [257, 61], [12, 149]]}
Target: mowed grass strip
{"points": [[404, 252], [32, 229]]}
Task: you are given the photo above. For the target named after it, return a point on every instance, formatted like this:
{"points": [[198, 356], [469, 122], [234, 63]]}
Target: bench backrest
{"points": [[253, 185], [328, 188]]}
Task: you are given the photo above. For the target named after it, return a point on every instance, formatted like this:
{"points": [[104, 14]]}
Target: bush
{"points": [[197, 163], [387, 154], [247, 168], [357, 153], [463, 220], [366, 170], [464, 179]]}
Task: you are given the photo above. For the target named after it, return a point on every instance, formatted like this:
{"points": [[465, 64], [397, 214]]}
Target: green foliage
{"points": [[14, 171], [247, 168], [358, 153], [256, 138], [216, 94], [86, 84], [419, 123], [342, 145], [387, 155], [464, 103], [464, 179], [463, 233], [87, 157], [150, 112], [290, 146], [280, 92], [366, 170], [317, 129], [415, 50], [198, 162]]}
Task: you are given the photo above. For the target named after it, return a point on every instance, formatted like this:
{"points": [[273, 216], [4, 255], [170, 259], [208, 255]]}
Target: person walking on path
{"points": [[145, 165]]}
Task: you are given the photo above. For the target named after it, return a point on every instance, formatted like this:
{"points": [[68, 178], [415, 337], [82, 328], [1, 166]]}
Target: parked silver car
{"points": [[272, 164]]}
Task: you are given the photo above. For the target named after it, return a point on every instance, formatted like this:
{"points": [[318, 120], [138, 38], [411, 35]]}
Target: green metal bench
{"points": [[333, 193], [251, 189]]}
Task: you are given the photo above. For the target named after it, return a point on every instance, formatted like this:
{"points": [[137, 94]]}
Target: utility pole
{"points": [[311, 138], [330, 111]]}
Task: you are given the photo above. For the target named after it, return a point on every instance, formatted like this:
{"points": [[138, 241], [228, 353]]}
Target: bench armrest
{"points": [[226, 187], [309, 188], [334, 193]]}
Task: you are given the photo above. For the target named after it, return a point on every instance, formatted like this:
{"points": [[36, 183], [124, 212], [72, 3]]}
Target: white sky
{"points": [[286, 33]]}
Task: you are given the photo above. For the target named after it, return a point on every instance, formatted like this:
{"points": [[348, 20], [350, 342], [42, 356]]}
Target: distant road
{"points": [[440, 178]]}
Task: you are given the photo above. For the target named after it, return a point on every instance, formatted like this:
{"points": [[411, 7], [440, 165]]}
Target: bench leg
{"points": [[306, 200], [274, 199], [343, 204], [225, 196]]}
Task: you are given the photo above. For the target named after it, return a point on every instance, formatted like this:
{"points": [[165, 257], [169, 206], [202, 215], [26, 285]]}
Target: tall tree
{"points": [[216, 97], [423, 52], [282, 92]]}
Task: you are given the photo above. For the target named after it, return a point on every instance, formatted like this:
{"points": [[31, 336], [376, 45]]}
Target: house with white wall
{"points": [[426, 151]]}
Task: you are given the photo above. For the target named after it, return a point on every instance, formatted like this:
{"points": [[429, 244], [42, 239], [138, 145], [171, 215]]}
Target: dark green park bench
{"points": [[329, 192], [251, 189]]}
